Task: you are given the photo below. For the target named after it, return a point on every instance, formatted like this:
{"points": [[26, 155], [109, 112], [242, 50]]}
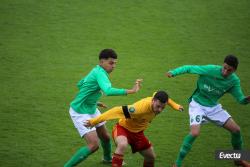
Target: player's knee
{"points": [[195, 130], [93, 146], [236, 129], [195, 133], [122, 145], [152, 157]]}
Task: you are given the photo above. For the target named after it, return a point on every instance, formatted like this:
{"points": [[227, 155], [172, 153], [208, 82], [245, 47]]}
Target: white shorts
{"points": [[79, 118], [199, 114]]}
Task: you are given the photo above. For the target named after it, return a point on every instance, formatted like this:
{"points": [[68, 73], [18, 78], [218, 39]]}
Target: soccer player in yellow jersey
{"points": [[133, 120]]}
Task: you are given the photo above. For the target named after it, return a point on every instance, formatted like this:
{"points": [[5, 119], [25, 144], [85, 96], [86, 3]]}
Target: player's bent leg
{"points": [[81, 154], [92, 141], [187, 144], [236, 138], [231, 125], [121, 145], [105, 143], [149, 157]]}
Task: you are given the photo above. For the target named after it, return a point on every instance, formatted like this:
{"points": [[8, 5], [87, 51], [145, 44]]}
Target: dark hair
{"points": [[162, 96], [232, 61], [107, 53]]}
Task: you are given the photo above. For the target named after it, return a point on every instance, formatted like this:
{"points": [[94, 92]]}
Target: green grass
{"points": [[47, 46]]}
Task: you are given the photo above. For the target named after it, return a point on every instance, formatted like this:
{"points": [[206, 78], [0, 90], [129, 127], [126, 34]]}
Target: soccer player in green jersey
{"points": [[213, 82], [84, 107]]}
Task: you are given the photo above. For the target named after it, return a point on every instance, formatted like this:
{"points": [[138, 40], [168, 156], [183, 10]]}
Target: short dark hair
{"points": [[232, 61], [161, 95], [107, 53]]}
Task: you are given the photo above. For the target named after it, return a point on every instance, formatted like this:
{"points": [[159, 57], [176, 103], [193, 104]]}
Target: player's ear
{"points": [[101, 61], [166, 104]]}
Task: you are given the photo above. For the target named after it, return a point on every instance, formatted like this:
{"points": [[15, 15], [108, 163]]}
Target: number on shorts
{"points": [[198, 118]]}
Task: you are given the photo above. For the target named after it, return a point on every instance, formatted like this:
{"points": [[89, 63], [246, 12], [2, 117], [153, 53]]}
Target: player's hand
{"points": [[169, 75], [248, 99], [87, 123], [102, 105], [181, 108], [136, 87]]}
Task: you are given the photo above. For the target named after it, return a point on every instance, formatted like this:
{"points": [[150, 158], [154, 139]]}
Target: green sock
{"points": [[236, 141], [106, 150], [79, 156], [185, 148]]}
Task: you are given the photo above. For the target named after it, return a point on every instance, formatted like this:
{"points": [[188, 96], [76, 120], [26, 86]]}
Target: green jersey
{"points": [[90, 91], [211, 85]]}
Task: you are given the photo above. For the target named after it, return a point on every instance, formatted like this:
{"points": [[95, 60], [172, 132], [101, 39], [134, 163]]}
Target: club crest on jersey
{"points": [[131, 109]]}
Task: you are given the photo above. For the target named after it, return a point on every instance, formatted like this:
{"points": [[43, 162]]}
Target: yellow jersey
{"points": [[134, 118]]}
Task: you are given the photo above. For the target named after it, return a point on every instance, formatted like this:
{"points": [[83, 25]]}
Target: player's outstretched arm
{"points": [[114, 113], [191, 69], [237, 93], [174, 105]]}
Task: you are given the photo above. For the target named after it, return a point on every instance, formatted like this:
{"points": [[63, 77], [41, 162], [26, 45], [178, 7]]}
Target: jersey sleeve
{"points": [[236, 92], [126, 112], [106, 86], [114, 113], [192, 69], [173, 104]]}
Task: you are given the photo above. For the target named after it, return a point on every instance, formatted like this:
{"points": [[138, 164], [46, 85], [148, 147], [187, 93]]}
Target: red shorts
{"points": [[137, 141]]}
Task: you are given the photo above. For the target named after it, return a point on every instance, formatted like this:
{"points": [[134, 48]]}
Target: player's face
{"points": [[227, 70], [158, 106], [108, 64]]}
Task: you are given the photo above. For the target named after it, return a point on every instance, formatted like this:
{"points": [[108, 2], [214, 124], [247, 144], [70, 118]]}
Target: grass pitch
{"points": [[47, 46]]}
